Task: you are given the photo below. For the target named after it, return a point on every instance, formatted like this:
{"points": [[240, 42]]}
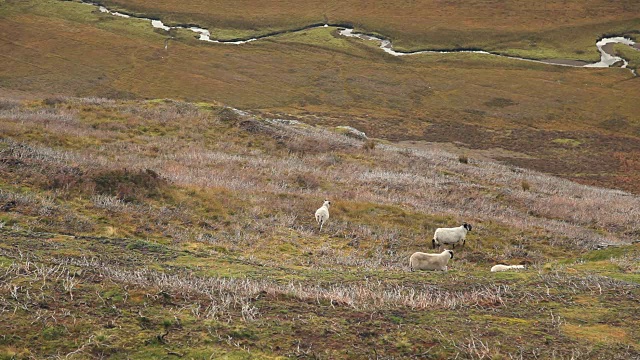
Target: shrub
{"points": [[53, 101], [8, 104], [254, 126], [500, 102], [406, 152], [307, 181], [65, 178], [228, 115], [129, 185], [147, 247], [305, 146], [369, 145]]}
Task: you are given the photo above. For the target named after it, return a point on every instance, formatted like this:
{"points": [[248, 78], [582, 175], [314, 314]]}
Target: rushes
{"points": [[367, 295], [112, 203], [628, 263], [212, 297]]}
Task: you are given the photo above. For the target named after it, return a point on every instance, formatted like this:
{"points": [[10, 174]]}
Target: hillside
{"points": [[578, 123], [157, 190], [168, 229]]}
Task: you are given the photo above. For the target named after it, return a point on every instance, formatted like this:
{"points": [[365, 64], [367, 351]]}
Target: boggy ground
{"points": [[165, 229], [553, 29]]}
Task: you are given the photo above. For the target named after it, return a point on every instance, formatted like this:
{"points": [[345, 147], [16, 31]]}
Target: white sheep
{"points": [[425, 261], [501, 267], [450, 236], [322, 214]]}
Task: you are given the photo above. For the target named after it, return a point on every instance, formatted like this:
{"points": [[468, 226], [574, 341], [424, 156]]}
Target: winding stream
{"points": [[606, 59]]}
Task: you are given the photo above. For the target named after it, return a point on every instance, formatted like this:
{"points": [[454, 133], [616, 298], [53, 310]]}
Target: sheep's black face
{"points": [[451, 254], [467, 226]]}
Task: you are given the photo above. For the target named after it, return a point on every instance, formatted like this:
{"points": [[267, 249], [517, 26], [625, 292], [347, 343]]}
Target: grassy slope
{"points": [[550, 29], [462, 98], [215, 253], [631, 54]]}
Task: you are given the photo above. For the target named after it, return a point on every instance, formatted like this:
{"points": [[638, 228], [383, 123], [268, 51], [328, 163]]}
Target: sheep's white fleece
{"points": [[450, 236], [425, 261], [501, 267], [322, 214]]}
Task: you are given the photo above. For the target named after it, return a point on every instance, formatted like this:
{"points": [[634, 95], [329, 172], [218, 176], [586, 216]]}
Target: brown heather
{"points": [[422, 181]]}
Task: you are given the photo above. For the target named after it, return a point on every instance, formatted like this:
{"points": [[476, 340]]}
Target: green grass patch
{"points": [[630, 54], [599, 333], [147, 247], [608, 253]]}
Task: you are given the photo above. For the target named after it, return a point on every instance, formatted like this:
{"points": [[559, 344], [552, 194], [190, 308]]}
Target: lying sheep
{"points": [[450, 236], [424, 261], [501, 267], [322, 214]]}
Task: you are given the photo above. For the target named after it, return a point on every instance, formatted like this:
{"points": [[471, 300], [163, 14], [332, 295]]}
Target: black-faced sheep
{"points": [[424, 261], [450, 236]]}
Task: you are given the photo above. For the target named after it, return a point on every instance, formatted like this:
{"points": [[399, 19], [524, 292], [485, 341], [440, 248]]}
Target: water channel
{"points": [[606, 59]]}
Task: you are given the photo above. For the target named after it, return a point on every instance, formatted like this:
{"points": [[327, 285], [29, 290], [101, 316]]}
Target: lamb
{"points": [[424, 261], [322, 214], [501, 267], [450, 236]]}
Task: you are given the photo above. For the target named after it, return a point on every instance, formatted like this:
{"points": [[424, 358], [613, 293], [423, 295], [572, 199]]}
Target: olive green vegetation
{"points": [[104, 257], [630, 54]]}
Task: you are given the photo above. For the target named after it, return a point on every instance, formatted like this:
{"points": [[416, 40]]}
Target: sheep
{"points": [[450, 236], [424, 261], [501, 267], [322, 214]]}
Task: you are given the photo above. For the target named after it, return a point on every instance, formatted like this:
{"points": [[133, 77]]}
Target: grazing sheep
{"points": [[497, 268], [450, 236], [424, 261], [322, 214]]}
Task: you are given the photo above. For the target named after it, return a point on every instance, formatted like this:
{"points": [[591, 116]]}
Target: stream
{"points": [[606, 59]]}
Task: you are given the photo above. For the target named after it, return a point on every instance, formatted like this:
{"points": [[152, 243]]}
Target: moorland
{"points": [[157, 196], [579, 123]]}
